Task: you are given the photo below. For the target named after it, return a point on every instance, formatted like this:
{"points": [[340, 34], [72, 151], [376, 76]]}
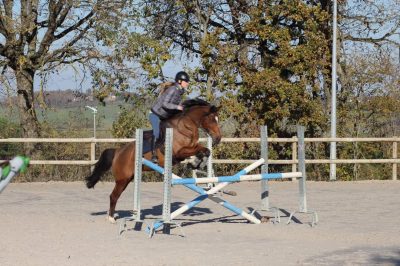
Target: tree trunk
{"points": [[26, 105]]}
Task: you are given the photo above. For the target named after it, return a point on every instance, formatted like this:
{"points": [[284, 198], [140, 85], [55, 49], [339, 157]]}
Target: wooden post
{"points": [[294, 154], [394, 177], [92, 153]]}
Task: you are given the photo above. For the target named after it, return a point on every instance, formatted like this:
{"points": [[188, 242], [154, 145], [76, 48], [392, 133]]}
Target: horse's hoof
{"points": [[203, 163], [229, 192], [265, 219], [111, 219], [193, 162]]}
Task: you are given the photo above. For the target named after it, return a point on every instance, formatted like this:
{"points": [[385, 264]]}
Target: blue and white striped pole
{"points": [[230, 179]]}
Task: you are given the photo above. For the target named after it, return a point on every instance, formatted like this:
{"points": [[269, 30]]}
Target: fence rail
{"points": [[293, 161]]}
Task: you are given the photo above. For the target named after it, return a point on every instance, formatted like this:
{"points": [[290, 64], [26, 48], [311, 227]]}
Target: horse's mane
{"points": [[195, 102]]}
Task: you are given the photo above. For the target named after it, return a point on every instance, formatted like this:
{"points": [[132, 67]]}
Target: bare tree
{"points": [[373, 22], [40, 35]]}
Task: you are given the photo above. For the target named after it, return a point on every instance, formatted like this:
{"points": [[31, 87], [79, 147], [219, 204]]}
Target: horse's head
{"points": [[209, 123], [206, 116]]}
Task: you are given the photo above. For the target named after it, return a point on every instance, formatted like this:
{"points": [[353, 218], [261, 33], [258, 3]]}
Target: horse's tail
{"points": [[103, 165]]}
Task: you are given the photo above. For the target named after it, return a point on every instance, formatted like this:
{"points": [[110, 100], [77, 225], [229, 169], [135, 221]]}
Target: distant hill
{"points": [[66, 108], [66, 98]]}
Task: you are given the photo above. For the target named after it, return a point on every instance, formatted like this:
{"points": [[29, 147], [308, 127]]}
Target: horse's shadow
{"points": [[190, 217], [156, 211]]}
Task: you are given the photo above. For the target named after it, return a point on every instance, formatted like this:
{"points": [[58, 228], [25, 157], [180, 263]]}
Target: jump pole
{"points": [[231, 179]]}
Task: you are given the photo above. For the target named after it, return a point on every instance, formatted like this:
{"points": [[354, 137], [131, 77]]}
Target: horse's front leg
{"points": [[199, 152]]}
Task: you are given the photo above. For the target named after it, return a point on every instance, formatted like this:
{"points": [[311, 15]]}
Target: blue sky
{"points": [[70, 78]]}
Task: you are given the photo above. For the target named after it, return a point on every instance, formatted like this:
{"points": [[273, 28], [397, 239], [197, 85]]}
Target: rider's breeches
{"points": [[155, 124]]}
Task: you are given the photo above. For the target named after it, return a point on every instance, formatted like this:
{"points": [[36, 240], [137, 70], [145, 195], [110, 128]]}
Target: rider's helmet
{"points": [[182, 75]]}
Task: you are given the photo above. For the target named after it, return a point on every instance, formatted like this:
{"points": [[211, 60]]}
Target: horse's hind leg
{"points": [[119, 187]]}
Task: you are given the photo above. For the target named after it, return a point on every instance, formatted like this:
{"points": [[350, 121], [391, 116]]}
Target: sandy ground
{"points": [[64, 224]]}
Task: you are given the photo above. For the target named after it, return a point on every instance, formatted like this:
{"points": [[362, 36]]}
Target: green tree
{"points": [[271, 56], [132, 118]]}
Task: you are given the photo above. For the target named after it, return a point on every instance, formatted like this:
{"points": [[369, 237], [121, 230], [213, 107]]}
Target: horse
{"points": [[186, 124]]}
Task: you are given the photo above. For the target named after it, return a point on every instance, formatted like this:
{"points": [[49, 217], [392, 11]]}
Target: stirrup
{"points": [[154, 159]]}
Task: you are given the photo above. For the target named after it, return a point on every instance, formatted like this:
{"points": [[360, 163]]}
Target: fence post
{"points": [[92, 153], [394, 175], [294, 154]]}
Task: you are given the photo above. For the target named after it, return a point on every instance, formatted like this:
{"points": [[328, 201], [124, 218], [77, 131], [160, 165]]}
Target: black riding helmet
{"points": [[182, 75]]}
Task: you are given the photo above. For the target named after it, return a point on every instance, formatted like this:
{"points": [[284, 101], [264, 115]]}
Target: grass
{"points": [[79, 118]]}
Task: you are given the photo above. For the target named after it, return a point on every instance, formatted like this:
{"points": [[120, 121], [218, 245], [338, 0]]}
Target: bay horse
{"points": [[196, 114]]}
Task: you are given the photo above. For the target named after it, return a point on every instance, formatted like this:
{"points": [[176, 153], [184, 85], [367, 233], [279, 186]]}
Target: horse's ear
{"points": [[214, 109]]}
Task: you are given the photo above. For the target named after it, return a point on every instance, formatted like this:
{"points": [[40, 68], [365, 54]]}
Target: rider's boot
{"points": [[154, 158]]}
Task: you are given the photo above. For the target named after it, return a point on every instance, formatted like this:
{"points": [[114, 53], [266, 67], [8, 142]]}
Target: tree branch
{"points": [[74, 27], [54, 11], [7, 20], [57, 54]]}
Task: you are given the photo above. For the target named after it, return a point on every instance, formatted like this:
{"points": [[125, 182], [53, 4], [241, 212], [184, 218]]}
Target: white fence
{"points": [[293, 161]]}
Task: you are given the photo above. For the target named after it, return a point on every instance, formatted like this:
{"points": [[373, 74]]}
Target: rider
{"points": [[167, 104]]}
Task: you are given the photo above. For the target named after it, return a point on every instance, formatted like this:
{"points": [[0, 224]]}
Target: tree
{"points": [[373, 22], [372, 102], [38, 36], [272, 56], [369, 29]]}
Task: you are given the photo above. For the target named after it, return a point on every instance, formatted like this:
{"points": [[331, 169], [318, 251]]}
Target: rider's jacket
{"points": [[167, 103]]}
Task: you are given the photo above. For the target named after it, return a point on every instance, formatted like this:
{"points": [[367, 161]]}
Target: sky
{"points": [[70, 78]]}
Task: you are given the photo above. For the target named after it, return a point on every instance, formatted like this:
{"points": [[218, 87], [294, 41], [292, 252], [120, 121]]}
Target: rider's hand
{"points": [[180, 108]]}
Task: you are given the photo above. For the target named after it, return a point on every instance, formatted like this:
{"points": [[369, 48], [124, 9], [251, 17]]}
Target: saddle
{"points": [[148, 136]]}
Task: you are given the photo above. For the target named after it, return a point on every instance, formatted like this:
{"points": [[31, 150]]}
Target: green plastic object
{"points": [[26, 163], [6, 170]]}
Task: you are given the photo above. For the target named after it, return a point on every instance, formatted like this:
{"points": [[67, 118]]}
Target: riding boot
{"points": [[154, 158]]}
